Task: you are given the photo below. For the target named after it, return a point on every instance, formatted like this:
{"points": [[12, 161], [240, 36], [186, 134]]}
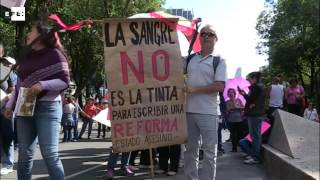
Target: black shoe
{"points": [[98, 136], [200, 155], [221, 150]]}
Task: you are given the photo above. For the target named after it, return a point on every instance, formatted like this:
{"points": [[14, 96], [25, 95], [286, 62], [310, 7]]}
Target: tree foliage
{"points": [[289, 30]]}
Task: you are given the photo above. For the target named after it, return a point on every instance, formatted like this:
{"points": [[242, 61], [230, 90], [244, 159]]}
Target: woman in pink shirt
{"points": [[295, 97]]}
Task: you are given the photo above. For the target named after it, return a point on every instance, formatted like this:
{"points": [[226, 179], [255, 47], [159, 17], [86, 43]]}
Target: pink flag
{"points": [[187, 31], [264, 127], [72, 27]]}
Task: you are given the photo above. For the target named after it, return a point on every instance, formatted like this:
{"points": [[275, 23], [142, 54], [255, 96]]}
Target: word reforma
{"points": [[145, 127]]}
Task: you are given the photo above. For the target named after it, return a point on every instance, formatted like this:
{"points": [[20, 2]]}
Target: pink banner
{"points": [[264, 127]]}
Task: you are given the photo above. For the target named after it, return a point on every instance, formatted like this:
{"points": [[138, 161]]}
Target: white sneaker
{"points": [[171, 173], [6, 170], [251, 161]]}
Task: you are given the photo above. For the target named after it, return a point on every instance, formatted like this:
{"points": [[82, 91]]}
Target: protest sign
{"points": [[145, 82]]}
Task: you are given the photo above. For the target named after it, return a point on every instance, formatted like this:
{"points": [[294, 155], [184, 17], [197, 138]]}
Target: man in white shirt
{"points": [[276, 96], [203, 85]]}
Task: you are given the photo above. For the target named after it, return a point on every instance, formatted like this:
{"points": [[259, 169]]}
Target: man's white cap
{"points": [[10, 60]]}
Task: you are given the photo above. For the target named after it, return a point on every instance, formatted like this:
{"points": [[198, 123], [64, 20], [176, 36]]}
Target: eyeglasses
{"points": [[208, 34]]}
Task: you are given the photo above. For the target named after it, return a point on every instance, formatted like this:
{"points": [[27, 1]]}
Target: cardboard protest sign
{"points": [[145, 82]]}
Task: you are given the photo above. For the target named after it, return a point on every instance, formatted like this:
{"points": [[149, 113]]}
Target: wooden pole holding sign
{"points": [[145, 81], [151, 164]]}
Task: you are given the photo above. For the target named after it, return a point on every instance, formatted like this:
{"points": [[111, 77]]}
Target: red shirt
{"points": [[90, 109]]}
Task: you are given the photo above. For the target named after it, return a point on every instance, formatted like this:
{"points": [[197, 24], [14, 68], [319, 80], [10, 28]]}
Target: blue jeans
{"points": [[86, 121], [220, 146], [45, 124], [114, 158], [67, 133], [7, 159], [206, 126], [7, 154], [75, 129], [245, 146], [254, 124]]}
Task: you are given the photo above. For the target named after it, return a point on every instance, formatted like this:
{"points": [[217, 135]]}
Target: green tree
{"points": [[289, 30]]}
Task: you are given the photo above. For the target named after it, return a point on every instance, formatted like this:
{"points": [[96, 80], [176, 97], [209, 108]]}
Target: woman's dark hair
{"points": [[256, 75], [232, 89], [293, 80], [47, 36]]}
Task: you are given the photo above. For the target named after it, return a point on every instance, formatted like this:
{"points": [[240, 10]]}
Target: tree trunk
{"points": [[19, 40], [125, 10]]}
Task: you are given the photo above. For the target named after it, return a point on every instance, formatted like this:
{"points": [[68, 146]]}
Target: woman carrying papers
{"points": [[44, 71]]}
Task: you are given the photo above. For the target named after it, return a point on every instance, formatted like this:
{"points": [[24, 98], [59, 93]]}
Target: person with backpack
{"points": [[206, 77]]}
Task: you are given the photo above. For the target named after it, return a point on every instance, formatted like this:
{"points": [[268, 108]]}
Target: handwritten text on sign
{"points": [[145, 82]]}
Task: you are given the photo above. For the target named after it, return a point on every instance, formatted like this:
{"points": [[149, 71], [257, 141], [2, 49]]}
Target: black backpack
{"points": [[216, 61]]}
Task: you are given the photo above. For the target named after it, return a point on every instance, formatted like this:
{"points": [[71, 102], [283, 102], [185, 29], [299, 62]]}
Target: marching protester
{"points": [[91, 110], [77, 111], [7, 135], [44, 69], [254, 111], [75, 115], [204, 81], [234, 117], [67, 119]]}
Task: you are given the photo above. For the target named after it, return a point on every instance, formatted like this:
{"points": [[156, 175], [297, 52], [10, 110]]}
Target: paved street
{"points": [[86, 159]]}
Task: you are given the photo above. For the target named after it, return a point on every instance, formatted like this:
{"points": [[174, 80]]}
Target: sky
{"points": [[235, 22]]}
